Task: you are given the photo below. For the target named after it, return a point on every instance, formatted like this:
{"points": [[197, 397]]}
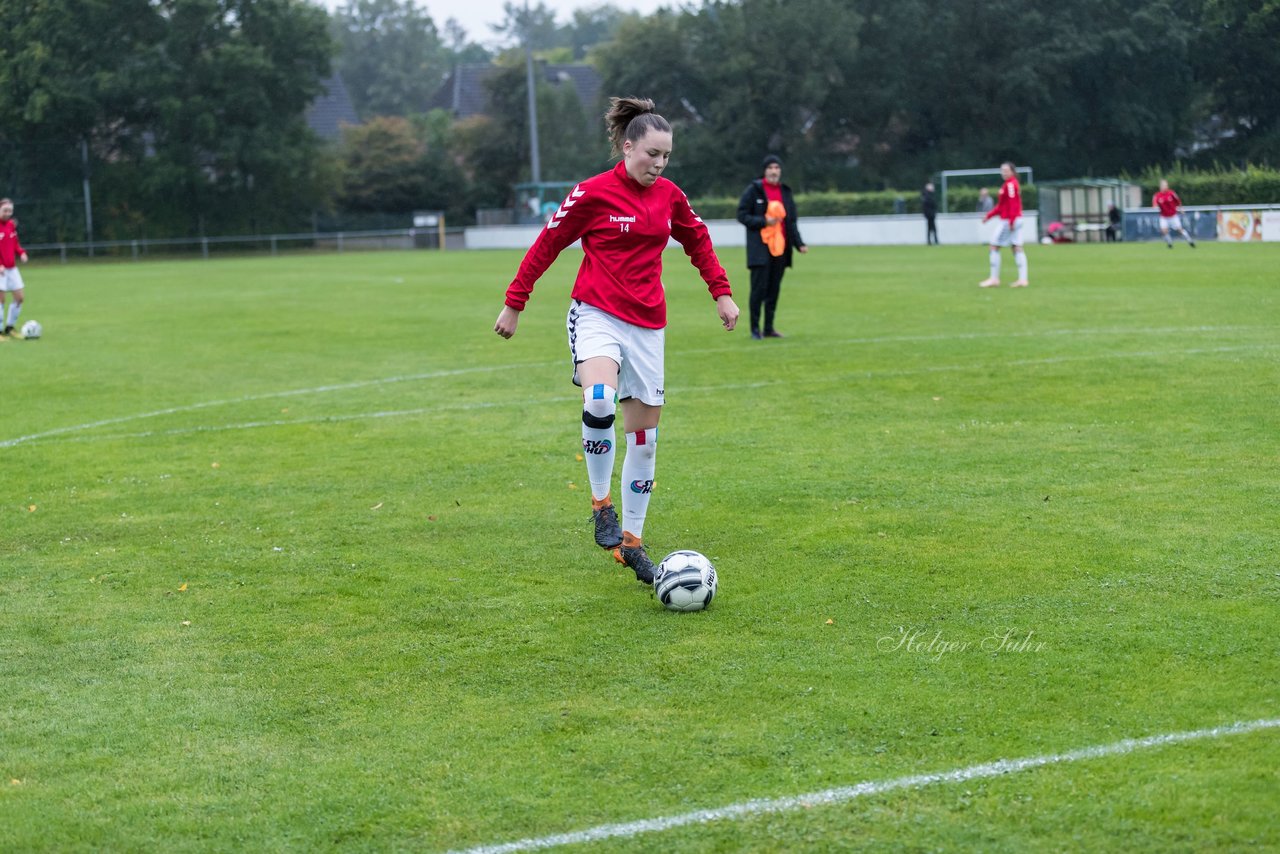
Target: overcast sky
{"points": [[476, 15]]}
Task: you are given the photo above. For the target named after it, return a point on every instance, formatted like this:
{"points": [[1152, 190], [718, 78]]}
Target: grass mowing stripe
{"points": [[191, 407], [842, 794], [59, 434]]}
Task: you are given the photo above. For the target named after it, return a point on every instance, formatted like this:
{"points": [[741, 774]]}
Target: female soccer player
{"points": [[1009, 209], [1169, 203], [618, 310], [11, 253]]}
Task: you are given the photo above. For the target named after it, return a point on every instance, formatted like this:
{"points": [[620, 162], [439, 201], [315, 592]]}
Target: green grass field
{"points": [[294, 555]]}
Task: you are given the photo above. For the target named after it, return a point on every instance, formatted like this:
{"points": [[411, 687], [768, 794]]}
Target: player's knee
{"points": [[643, 443], [598, 406]]}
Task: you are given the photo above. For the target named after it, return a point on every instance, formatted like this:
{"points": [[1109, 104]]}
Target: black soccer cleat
{"points": [[632, 553], [608, 531]]}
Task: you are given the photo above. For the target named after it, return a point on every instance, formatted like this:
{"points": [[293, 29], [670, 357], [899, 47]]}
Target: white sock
{"points": [[637, 478], [995, 263], [1168, 238], [14, 310], [598, 436], [1021, 259]]}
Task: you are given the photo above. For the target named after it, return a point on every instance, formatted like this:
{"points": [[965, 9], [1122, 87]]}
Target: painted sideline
{"points": [[764, 806]]}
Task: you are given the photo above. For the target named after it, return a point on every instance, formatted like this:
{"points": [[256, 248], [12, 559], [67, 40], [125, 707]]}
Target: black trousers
{"points": [[766, 281], [931, 231]]}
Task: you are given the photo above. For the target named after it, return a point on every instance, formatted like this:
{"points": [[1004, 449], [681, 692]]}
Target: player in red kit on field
{"points": [[1168, 203], [1009, 210], [618, 310], [11, 252]]}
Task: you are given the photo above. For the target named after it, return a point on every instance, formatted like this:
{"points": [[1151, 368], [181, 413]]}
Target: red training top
{"points": [[624, 226], [9, 246], [1167, 201], [1009, 205]]}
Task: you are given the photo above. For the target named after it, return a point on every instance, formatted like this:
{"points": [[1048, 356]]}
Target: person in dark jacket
{"points": [[768, 211], [929, 207]]}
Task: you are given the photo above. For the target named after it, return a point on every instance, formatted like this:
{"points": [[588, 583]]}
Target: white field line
{"points": [[76, 428], [843, 794]]}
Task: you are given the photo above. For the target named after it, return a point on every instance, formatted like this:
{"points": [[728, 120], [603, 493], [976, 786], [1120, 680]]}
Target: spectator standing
{"points": [[768, 211], [929, 207]]}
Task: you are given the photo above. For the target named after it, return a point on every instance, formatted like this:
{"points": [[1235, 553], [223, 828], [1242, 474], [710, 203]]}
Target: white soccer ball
{"points": [[32, 329], [685, 581]]}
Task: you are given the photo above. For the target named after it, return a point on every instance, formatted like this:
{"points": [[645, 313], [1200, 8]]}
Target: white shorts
{"points": [[10, 279], [1170, 223], [1009, 233], [637, 350]]}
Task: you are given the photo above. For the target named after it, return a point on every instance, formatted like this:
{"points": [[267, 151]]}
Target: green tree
{"points": [[391, 56], [192, 109], [226, 143], [1239, 61]]}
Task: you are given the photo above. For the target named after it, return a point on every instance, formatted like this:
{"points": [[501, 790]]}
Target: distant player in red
{"points": [[1168, 203], [618, 310], [1009, 210], [11, 252]]}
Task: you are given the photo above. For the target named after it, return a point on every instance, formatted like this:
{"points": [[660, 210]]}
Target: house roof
{"points": [[463, 93], [331, 110]]}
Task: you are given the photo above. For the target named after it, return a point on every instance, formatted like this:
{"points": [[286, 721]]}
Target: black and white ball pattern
{"points": [[685, 581]]}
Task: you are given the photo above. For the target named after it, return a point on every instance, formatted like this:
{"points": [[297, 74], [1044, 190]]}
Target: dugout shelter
{"points": [[1081, 204]]}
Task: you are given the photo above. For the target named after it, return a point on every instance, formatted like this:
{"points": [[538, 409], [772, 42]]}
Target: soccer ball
{"points": [[31, 329], [685, 581]]}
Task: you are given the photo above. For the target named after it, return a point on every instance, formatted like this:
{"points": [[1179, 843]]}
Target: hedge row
{"points": [[1252, 185], [959, 200]]}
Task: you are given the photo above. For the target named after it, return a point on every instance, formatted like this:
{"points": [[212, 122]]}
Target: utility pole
{"points": [[88, 203], [534, 164]]}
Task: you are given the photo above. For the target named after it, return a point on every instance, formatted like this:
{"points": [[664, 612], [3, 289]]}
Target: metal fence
{"points": [[258, 244]]}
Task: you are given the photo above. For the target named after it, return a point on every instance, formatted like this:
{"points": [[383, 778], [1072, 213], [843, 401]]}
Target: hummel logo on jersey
{"points": [[569, 202]]}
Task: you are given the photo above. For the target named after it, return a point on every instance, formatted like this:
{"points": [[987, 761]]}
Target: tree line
{"points": [[188, 116]]}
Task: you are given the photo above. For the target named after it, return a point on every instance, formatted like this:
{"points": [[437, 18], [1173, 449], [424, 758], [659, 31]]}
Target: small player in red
{"points": [[1009, 210], [11, 252], [1168, 203], [618, 311]]}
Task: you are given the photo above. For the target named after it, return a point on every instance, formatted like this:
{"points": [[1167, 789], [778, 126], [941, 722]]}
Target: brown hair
{"points": [[630, 119]]}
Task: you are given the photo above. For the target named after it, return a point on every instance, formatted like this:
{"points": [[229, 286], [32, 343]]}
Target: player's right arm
{"points": [[567, 225]]}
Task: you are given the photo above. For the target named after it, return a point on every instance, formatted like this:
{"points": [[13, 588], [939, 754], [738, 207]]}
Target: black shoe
{"points": [[608, 531], [773, 333], [1193, 243], [8, 330], [633, 554], [756, 336]]}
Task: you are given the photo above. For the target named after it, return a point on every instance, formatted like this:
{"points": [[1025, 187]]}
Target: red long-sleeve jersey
{"points": [[1167, 201], [10, 249], [624, 227], [1009, 203]]}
